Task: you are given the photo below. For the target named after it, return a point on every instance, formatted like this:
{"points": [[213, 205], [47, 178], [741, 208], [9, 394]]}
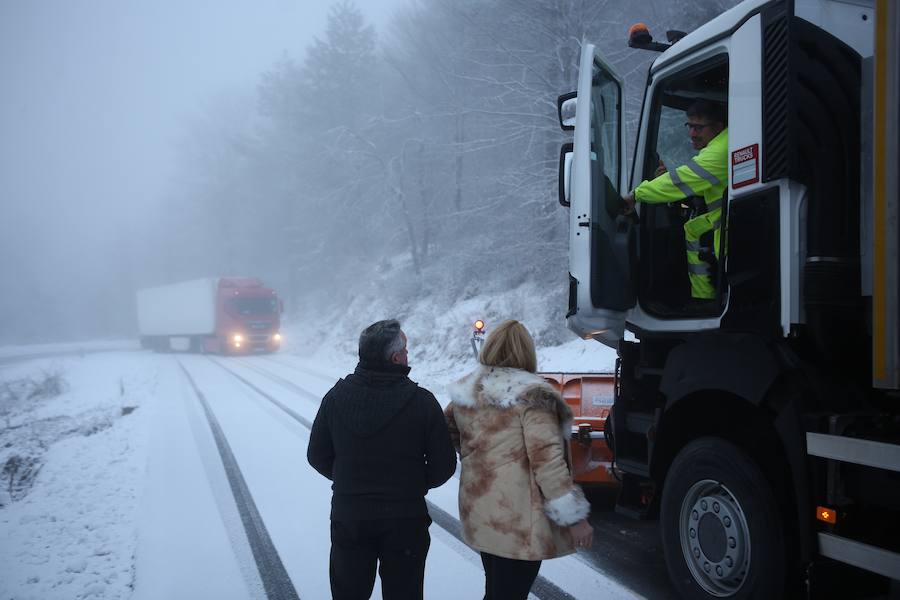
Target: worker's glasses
{"points": [[696, 126]]}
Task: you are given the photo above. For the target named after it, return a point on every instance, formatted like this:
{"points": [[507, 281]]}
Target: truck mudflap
{"points": [[590, 396]]}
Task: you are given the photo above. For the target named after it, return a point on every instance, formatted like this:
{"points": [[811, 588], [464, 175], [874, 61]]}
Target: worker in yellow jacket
{"points": [[706, 176]]}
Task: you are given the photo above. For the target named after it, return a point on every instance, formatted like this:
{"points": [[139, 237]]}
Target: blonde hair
{"points": [[509, 345]]}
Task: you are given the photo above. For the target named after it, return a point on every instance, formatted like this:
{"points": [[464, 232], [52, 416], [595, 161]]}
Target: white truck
{"points": [[214, 314], [761, 427]]}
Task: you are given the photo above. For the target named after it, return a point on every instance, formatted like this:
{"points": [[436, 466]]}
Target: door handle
{"points": [[584, 223]]}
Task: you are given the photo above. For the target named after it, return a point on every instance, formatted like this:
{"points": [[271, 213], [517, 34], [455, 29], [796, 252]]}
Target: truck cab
{"points": [[762, 425], [248, 317]]}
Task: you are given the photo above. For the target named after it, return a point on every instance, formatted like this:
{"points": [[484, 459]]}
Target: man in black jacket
{"points": [[383, 442]]}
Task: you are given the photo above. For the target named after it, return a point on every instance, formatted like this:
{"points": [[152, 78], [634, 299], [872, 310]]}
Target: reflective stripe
{"points": [[700, 269], [703, 173], [711, 206], [695, 246], [682, 186]]}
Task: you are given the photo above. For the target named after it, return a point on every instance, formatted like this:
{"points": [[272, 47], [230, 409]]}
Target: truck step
{"points": [[641, 372], [641, 469], [639, 422], [635, 498]]}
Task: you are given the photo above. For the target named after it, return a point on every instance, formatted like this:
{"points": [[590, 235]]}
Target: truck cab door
{"points": [[602, 248]]}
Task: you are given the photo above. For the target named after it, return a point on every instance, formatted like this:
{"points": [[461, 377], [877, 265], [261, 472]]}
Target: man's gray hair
{"points": [[380, 341]]}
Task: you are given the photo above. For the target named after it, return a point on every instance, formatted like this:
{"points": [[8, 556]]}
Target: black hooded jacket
{"points": [[383, 442]]}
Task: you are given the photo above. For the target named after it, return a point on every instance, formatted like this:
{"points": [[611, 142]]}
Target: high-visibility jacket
{"points": [[705, 175]]}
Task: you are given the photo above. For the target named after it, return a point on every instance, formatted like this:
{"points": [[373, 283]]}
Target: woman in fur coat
{"points": [[517, 502]]}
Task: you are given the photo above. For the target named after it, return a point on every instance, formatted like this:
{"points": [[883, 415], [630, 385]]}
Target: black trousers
{"points": [[398, 547], [508, 578]]}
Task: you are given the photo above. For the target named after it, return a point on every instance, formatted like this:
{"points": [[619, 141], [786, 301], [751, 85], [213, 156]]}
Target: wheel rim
{"points": [[715, 539]]}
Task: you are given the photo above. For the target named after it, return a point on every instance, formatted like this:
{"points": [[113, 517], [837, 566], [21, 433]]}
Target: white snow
{"points": [[132, 499], [440, 337], [40, 350], [183, 550], [74, 534]]}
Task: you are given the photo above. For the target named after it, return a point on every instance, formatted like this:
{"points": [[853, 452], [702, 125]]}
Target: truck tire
{"points": [[720, 524]]}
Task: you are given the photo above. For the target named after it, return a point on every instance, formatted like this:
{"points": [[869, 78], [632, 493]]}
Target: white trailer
{"points": [[186, 308]]}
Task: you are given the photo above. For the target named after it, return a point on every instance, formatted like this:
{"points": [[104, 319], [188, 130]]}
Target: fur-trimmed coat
{"points": [[516, 494]]}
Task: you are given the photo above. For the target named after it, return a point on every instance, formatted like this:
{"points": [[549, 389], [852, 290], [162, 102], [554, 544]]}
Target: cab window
{"points": [[605, 134], [253, 306], [605, 141], [664, 288]]}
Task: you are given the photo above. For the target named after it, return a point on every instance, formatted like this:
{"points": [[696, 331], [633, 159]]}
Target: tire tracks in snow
{"points": [[276, 581], [633, 566], [324, 376], [543, 588]]}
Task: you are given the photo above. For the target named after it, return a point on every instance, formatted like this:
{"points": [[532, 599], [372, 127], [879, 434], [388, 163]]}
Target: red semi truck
{"points": [[216, 314]]}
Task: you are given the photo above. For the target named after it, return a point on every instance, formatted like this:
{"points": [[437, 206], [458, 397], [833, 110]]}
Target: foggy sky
{"points": [[95, 95]]}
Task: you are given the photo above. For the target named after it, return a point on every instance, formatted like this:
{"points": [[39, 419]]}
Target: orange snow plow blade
{"points": [[590, 396]]}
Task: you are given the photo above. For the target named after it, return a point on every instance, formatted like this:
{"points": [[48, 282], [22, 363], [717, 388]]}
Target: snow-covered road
{"points": [[201, 490]]}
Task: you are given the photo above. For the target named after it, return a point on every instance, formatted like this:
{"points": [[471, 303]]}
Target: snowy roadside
{"points": [[70, 347], [440, 348], [68, 521], [440, 336]]}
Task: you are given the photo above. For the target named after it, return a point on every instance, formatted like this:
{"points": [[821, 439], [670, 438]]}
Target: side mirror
{"points": [[565, 109], [565, 173]]}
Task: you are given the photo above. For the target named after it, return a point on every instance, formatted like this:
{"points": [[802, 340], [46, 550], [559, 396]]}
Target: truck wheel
{"points": [[721, 528]]}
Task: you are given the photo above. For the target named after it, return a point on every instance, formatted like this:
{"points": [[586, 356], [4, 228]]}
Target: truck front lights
{"points": [[277, 337]]}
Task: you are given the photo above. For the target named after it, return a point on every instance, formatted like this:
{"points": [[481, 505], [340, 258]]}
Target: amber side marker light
{"points": [[479, 325], [826, 514]]}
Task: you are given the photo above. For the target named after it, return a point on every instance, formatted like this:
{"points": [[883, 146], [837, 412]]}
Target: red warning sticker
{"points": [[745, 166]]}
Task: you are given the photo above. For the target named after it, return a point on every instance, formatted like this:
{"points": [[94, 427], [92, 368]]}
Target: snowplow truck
{"points": [[760, 423]]}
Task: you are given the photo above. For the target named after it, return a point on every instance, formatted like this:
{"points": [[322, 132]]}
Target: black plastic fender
{"points": [[748, 367], [741, 364]]}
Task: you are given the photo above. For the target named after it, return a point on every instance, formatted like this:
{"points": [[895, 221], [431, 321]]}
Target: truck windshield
{"points": [[254, 306]]}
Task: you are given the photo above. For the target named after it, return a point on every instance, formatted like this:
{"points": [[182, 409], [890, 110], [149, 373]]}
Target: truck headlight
{"points": [[277, 337], [237, 338]]}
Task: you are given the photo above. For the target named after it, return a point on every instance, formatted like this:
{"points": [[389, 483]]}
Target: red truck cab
{"points": [[248, 317]]}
